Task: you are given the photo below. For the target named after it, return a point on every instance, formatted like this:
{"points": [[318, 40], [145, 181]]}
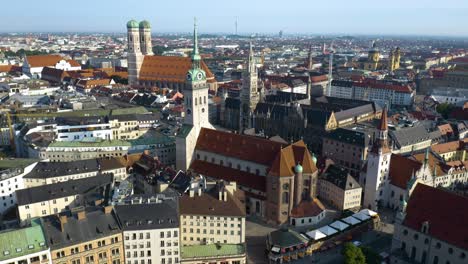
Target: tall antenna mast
{"points": [[236, 26]]}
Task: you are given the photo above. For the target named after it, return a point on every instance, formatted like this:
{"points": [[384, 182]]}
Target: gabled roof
{"points": [[308, 208], [445, 212], [339, 177], [401, 170], [242, 178], [254, 149], [168, 68], [48, 60]]}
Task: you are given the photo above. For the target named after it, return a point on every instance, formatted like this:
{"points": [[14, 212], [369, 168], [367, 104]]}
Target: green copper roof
{"points": [[184, 131], [212, 250], [16, 163], [145, 24], [152, 138], [129, 111], [298, 168], [92, 144], [132, 24], [23, 241]]}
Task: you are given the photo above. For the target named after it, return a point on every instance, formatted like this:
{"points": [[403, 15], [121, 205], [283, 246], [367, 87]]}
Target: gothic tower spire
{"points": [[196, 58]]}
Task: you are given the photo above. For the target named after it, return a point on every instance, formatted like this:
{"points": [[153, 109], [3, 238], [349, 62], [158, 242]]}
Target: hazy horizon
{"points": [[333, 17]]}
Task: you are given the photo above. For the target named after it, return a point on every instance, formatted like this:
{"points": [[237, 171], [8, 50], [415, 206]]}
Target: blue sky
{"points": [[402, 17]]}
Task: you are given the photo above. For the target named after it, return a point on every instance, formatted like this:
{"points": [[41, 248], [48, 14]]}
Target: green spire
{"points": [[195, 54], [426, 156]]}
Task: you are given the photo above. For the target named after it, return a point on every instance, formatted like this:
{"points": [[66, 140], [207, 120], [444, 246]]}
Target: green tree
{"points": [[158, 50], [371, 256], [353, 254], [445, 109]]}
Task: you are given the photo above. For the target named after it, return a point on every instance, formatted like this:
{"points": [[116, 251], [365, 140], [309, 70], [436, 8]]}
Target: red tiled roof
{"points": [[447, 147], [254, 149], [242, 178], [383, 126], [446, 213], [74, 63], [43, 60], [308, 208], [168, 68], [401, 169], [380, 85], [445, 129]]}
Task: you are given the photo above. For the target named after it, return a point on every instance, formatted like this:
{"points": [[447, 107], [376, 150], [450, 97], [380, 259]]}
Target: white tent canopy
{"points": [[361, 216], [327, 230], [339, 225], [316, 234], [351, 220], [368, 212]]}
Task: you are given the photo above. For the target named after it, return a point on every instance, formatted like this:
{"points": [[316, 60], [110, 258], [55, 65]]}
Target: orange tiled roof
{"points": [[74, 63], [445, 129], [242, 178], [168, 68], [43, 60], [6, 68], [401, 169], [278, 156], [447, 147], [93, 83], [308, 208], [258, 150]]}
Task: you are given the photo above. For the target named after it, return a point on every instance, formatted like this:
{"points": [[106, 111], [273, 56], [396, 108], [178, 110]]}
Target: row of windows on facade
{"points": [[162, 234], [76, 250], [197, 217], [211, 224], [438, 245], [148, 244], [142, 254], [218, 232], [221, 162], [149, 261]]}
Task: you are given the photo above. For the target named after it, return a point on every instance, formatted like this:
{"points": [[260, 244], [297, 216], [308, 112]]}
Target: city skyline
{"points": [[334, 17]]}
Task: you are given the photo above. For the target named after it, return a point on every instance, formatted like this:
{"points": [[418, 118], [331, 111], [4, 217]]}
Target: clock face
{"points": [[199, 76], [189, 76]]}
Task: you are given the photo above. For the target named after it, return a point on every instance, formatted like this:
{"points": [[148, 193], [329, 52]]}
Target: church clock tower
{"points": [[378, 165], [249, 94], [196, 109]]}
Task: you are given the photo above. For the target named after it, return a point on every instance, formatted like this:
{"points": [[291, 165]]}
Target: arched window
{"points": [[204, 100], [285, 197]]}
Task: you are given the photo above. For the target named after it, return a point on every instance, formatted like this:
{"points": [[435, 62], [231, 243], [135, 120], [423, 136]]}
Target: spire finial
{"points": [[195, 54], [426, 157], [195, 36]]}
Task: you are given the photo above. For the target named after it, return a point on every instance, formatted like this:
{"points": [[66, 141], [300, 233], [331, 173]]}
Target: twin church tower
{"points": [[190, 76]]}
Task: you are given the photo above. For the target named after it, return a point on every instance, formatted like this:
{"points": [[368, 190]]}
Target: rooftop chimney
{"points": [[108, 209], [63, 220], [81, 215]]}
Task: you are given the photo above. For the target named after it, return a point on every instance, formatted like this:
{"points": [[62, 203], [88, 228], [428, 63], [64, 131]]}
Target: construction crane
{"points": [[10, 124], [331, 51]]}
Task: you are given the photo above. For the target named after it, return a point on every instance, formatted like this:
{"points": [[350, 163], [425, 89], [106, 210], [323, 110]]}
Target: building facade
{"points": [[92, 236], [428, 229], [151, 232]]}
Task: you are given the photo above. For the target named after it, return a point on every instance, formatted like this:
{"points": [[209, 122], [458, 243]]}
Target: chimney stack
{"points": [[81, 215], [108, 209], [63, 220]]}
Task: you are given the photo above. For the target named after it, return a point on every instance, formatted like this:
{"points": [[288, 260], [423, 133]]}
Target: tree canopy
{"points": [[353, 254]]}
